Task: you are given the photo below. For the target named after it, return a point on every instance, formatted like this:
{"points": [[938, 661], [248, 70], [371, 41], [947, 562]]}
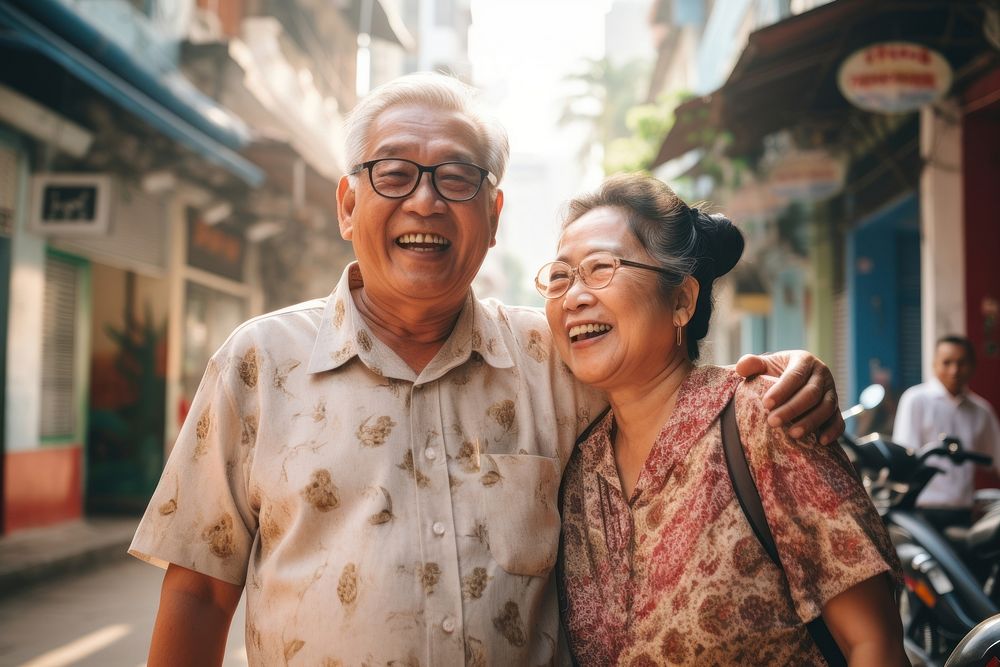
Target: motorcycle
{"points": [[951, 582], [980, 648]]}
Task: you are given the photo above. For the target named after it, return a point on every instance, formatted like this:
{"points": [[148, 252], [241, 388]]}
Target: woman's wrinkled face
{"points": [[618, 335]]}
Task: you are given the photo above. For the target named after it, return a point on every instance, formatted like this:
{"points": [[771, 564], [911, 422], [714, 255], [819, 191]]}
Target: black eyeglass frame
{"points": [[618, 262], [484, 175]]}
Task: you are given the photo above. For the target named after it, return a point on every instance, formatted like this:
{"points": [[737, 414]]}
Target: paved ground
{"points": [[42, 554], [69, 595], [101, 617]]}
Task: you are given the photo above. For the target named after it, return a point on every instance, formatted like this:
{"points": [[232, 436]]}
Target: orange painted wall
{"points": [[42, 487]]}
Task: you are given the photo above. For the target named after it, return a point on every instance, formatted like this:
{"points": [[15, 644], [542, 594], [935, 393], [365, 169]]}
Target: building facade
{"points": [[167, 170], [860, 219]]}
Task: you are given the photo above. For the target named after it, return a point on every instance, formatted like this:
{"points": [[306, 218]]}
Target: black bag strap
{"points": [[749, 499], [592, 425]]}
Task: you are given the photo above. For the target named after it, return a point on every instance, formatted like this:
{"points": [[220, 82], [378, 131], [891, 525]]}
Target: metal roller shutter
{"points": [[58, 409]]}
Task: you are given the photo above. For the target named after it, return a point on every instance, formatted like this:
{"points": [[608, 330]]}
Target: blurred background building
{"points": [[855, 142], [168, 168]]}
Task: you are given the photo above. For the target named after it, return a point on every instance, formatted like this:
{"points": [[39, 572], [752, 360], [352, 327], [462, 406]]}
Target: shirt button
{"points": [[430, 453], [448, 625], [438, 528]]}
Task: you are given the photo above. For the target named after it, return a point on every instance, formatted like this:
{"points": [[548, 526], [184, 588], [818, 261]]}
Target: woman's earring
{"points": [[679, 330]]}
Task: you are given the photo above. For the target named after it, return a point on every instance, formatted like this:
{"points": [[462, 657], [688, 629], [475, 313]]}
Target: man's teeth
{"points": [[581, 329], [432, 239]]}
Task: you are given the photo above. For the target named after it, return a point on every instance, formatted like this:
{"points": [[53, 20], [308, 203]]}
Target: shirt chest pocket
{"points": [[522, 519]]}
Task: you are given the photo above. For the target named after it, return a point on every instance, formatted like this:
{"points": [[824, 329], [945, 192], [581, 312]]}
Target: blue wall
{"points": [[883, 282]]}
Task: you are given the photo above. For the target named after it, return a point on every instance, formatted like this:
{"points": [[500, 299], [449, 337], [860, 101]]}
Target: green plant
{"points": [[125, 443]]}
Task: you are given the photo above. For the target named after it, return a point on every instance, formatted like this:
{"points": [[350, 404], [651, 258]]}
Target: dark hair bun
{"points": [[723, 241]]}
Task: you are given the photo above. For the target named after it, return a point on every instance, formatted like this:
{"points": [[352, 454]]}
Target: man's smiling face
{"points": [[421, 247]]}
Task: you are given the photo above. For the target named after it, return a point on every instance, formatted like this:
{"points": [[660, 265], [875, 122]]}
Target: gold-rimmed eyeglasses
{"points": [[596, 271], [395, 178]]}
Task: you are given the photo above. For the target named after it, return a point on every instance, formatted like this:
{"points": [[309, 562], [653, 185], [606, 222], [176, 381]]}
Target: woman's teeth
{"points": [[423, 242], [584, 331]]}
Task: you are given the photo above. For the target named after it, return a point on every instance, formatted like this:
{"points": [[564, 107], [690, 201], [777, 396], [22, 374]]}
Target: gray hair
{"points": [[434, 90], [682, 239]]}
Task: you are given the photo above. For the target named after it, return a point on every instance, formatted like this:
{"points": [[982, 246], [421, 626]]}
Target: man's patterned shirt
{"points": [[377, 516]]}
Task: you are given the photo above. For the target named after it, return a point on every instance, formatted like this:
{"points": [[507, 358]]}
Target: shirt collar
{"points": [[343, 334], [942, 391], [478, 330], [701, 398]]}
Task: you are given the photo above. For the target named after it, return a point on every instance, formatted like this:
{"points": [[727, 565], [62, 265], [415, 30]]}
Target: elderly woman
{"points": [[658, 563]]}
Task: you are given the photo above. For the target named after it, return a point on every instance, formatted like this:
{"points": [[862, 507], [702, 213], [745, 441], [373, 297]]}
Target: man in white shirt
{"points": [[945, 406]]}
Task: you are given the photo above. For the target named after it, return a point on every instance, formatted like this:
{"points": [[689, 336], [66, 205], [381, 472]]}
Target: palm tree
{"points": [[603, 93]]}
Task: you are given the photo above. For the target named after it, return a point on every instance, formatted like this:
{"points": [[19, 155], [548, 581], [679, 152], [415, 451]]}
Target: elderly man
{"points": [[379, 469]]}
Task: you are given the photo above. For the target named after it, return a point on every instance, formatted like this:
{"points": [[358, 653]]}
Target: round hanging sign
{"points": [[894, 77]]}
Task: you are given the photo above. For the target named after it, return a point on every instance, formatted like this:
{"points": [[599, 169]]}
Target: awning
{"points": [[695, 126], [786, 76], [170, 103], [790, 67]]}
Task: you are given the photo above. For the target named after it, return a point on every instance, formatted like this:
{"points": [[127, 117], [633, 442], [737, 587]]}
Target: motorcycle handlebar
{"points": [[959, 456], [978, 459]]}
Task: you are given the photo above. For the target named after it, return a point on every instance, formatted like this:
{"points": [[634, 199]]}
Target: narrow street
{"points": [[102, 618], [257, 262]]}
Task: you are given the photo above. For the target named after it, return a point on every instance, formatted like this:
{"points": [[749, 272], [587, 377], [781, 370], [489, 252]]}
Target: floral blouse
{"points": [[675, 574]]}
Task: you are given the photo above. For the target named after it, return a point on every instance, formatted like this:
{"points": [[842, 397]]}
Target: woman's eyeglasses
{"points": [[596, 271], [396, 178]]}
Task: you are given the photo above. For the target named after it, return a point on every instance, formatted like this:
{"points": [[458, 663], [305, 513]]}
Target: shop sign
{"points": [[752, 202], [806, 176], [214, 248], [894, 77], [70, 204]]}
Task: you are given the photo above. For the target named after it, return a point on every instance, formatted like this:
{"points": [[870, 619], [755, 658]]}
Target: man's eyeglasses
{"points": [[596, 271], [396, 178]]}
